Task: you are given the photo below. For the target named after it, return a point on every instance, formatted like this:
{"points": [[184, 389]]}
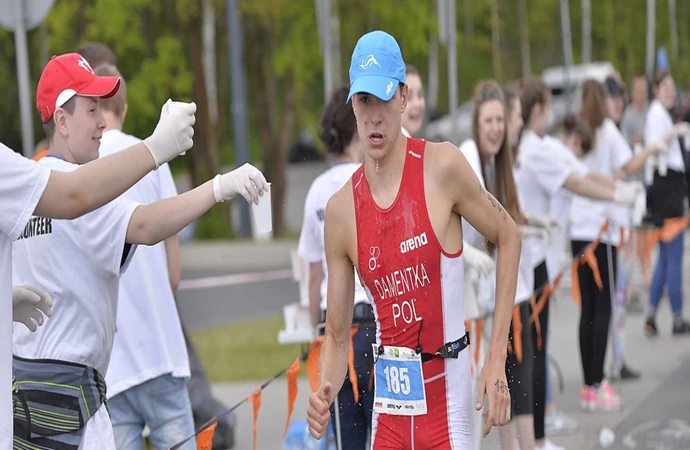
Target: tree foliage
{"points": [[158, 45]]}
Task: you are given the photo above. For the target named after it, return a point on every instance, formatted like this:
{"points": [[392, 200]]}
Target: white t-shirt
{"points": [[525, 282], [149, 341], [79, 263], [657, 124], [310, 247], [610, 154], [541, 175], [22, 183], [559, 208]]}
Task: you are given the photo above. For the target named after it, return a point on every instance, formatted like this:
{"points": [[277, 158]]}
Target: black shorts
{"points": [[519, 374]]}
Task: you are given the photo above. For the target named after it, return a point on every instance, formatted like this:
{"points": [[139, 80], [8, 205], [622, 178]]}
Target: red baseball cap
{"points": [[66, 76]]}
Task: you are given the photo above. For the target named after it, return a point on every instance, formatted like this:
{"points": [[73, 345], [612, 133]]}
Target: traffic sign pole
{"points": [[23, 80]]}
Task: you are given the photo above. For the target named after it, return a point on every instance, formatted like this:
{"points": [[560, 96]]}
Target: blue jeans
{"points": [[355, 418], [163, 404], [668, 272], [549, 394]]}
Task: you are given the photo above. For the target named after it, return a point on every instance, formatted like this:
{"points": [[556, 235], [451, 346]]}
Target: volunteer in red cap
{"points": [[59, 393], [28, 188]]}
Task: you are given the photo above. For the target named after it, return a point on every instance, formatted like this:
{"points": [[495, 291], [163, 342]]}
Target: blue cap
{"points": [[377, 66]]}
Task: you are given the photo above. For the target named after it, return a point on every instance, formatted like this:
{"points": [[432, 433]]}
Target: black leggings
{"points": [[519, 374], [595, 312], [541, 277]]}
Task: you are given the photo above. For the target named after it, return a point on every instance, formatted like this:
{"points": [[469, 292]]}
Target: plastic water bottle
{"points": [[649, 170]]}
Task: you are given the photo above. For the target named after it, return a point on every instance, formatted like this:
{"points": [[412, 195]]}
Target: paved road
{"points": [[247, 296], [662, 422]]}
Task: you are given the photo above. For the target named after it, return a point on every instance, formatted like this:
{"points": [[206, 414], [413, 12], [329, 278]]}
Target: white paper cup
{"points": [[263, 220]]}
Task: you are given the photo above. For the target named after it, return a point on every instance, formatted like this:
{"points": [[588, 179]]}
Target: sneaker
{"points": [[587, 398], [557, 422], [680, 327], [549, 445], [626, 373], [606, 399], [650, 327]]}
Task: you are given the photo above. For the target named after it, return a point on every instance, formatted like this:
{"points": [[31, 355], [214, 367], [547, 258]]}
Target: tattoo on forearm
{"points": [[501, 387], [493, 201]]}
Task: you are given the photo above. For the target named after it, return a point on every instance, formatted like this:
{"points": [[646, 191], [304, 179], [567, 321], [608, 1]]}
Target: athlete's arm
{"points": [[153, 223], [315, 278], [341, 292], [481, 210], [69, 195], [172, 255]]}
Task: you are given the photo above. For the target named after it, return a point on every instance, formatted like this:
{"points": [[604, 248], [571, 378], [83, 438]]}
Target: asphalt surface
{"points": [[662, 422], [209, 307]]}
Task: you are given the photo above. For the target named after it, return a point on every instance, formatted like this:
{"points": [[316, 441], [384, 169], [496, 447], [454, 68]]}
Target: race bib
{"points": [[399, 387]]}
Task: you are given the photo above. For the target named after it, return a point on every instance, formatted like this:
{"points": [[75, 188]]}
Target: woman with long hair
{"points": [[667, 196], [488, 152], [610, 157]]}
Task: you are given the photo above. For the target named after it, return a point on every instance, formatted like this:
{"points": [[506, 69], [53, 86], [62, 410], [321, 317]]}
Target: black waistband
{"points": [[363, 313], [449, 350]]}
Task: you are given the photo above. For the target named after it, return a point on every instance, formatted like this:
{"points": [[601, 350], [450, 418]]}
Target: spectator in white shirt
{"points": [[668, 199]]}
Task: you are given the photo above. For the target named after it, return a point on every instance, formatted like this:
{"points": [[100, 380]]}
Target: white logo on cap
{"points": [[389, 87], [84, 64], [368, 62]]}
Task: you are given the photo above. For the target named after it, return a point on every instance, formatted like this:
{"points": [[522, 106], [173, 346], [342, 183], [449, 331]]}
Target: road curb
{"points": [[224, 256]]}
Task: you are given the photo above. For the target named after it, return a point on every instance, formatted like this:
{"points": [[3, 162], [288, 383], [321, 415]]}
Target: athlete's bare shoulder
{"points": [[445, 163], [340, 215]]}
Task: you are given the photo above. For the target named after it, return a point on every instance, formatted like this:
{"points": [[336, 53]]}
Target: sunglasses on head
{"points": [[490, 93]]}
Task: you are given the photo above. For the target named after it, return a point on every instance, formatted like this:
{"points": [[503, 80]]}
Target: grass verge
{"points": [[245, 351]]}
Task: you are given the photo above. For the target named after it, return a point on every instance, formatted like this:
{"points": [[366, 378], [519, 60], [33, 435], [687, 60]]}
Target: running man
{"points": [[59, 369], [398, 222]]}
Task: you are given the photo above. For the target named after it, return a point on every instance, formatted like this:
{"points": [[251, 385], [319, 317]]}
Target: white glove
{"points": [[681, 129], [534, 231], [477, 259], [627, 192], [658, 147], [28, 302], [542, 221], [174, 132], [247, 180]]}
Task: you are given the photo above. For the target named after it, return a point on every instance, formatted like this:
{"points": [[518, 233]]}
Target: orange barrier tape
{"points": [[590, 259], [40, 155], [313, 364], [517, 333], [291, 375], [255, 400], [475, 340], [204, 441]]}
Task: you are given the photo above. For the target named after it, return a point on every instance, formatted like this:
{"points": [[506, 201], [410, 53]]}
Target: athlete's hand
{"points": [[28, 302], [174, 132], [247, 181], [493, 384], [318, 413]]}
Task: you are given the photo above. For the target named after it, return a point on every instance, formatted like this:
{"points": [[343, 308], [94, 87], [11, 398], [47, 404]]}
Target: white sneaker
{"points": [[548, 445], [557, 422]]}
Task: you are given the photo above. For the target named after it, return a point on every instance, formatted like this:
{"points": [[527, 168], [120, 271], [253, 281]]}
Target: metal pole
{"points": [[23, 80], [327, 49], [338, 437], [452, 66], [567, 50], [239, 102]]}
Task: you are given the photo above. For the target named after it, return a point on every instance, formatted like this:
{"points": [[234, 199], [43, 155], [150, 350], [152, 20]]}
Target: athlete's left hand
{"points": [[28, 302], [493, 384]]}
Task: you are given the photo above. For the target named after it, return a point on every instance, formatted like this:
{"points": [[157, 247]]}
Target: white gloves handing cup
{"points": [[247, 181], [627, 192], [29, 303], [174, 132]]}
